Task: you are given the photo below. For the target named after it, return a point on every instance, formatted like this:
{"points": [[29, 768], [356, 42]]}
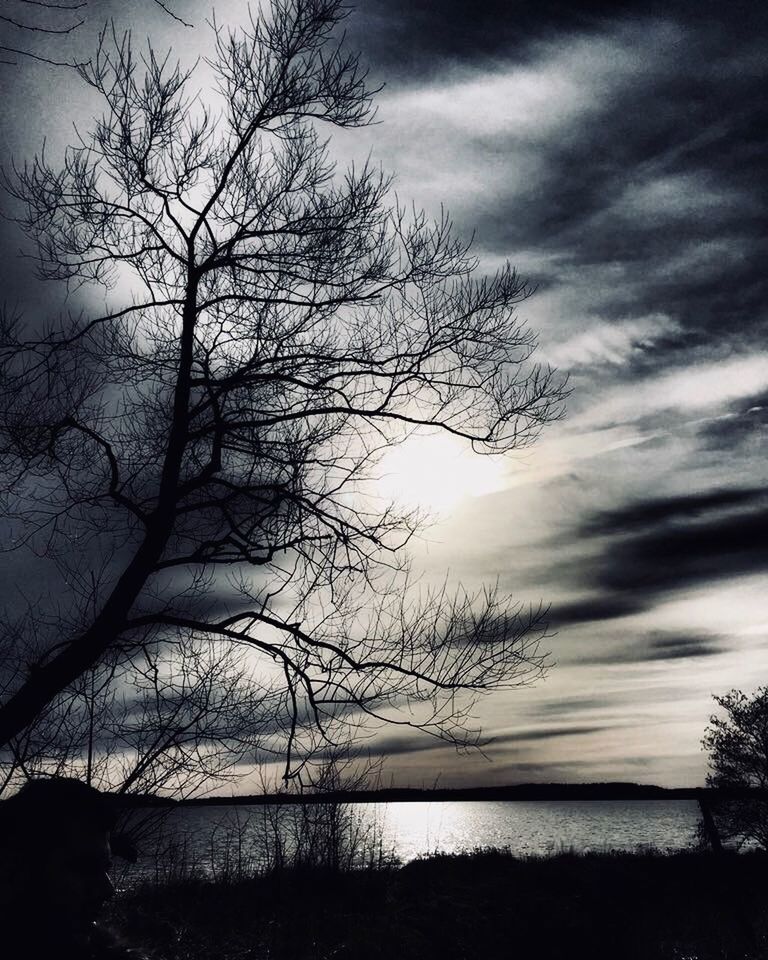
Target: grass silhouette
{"points": [[485, 904]]}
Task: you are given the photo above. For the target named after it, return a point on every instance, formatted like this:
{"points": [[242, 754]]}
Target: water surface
{"points": [[539, 827], [235, 839]]}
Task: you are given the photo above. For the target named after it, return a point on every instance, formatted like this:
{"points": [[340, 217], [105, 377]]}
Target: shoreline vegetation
{"points": [[320, 884], [487, 903]]}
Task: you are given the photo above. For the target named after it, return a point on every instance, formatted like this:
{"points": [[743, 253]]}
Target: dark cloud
{"points": [[745, 424], [651, 547], [565, 771], [658, 646], [395, 746], [680, 214], [659, 183], [567, 706], [593, 609], [545, 733], [682, 555], [648, 514], [677, 646], [418, 37]]}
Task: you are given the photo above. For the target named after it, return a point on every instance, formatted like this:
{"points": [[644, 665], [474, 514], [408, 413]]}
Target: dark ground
{"points": [[487, 905]]}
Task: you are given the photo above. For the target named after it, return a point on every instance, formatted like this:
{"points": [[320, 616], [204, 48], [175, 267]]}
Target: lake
{"points": [[226, 839], [538, 827]]}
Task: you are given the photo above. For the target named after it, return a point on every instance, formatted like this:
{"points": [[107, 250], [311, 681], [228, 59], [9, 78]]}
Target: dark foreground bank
{"points": [[484, 905]]}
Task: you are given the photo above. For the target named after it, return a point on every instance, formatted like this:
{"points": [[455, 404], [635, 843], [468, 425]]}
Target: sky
{"points": [[613, 152]]}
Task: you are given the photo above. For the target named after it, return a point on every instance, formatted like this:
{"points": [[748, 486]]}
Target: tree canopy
{"points": [[737, 744]]}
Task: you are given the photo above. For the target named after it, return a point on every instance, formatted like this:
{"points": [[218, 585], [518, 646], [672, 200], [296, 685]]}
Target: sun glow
{"points": [[435, 473]]}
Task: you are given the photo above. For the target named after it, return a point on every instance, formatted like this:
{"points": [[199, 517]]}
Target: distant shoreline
{"points": [[527, 791]]}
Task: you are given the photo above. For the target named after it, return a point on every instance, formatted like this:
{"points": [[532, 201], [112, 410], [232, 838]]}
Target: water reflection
{"points": [[219, 841], [536, 828]]}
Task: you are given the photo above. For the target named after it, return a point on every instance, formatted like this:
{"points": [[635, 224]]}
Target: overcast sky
{"points": [[613, 152]]}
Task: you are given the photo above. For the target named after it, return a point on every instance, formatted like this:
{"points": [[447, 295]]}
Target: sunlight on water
{"points": [[215, 840], [535, 828]]}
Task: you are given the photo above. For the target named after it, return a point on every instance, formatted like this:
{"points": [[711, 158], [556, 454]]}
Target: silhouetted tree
{"points": [[174, 717], [55, 22], [737, 743], [196, 459]]}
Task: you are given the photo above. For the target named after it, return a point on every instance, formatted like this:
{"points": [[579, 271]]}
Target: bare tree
{"points": [[30, 20], [737, 743], [177, 718], [27, 22], [198, 457]]}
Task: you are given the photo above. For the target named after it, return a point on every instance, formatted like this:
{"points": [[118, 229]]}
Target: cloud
{"points": [[684, 555], [503, 129], [394, 746], [648, 514], [398, 746], [744, 425], [571, 770], [658, 646], [690, 389], [565, 706], [544, 733], [649, 548], [420, 37], [613, 343], [505, 743], [618, 150], [593, 609], [559, 83]]}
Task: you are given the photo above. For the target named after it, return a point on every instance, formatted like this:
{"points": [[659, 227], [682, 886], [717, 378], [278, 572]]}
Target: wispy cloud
{"points": [[613, 343]]}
